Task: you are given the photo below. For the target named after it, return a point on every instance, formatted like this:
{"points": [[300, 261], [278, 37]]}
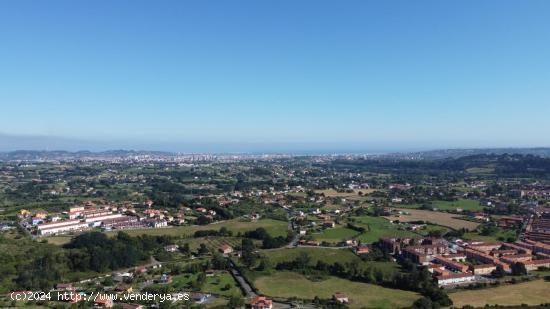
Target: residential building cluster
{"points": [[89, 216], [538, 229], [458, 262]]}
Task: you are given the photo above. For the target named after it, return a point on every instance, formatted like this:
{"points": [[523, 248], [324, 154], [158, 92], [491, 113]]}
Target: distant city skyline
{"points": [[9, 143], [274, 76]]}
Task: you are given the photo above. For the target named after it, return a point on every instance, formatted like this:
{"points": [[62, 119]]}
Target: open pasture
{"points": [[361, 295], [274, 228], [435, 217], [377, 227], [335, 235], [530, 293]]}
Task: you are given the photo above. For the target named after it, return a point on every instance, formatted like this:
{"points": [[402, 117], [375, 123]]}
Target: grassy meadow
{"points": [[377, 227], [212, 242], [361, 295], [435, 217], [273, 227], [216, 284], [464, 204], [530, 293], [335, 235], [329, 256]]}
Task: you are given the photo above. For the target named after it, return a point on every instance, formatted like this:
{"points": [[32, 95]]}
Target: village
{"points": [[89, 216], [246, 240]]}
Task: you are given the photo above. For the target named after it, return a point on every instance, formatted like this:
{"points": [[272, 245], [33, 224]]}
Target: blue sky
{"points": [[274, 75]]}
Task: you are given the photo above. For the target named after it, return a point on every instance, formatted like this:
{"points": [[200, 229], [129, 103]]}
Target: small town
{"points": [[318, 224]]}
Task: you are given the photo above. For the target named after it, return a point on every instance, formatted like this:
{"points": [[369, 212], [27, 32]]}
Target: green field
{"points": [[541, 273], [501, 235], [470, 205], [481, 170], [212, 242], [530, 293], [329, 256], [432, 228], [326, 255], [349, 195], [274, 228], [434, 217], [336, 234], [215, 284], [289, 284], [464, 204], [377, 227], [58, 240]]}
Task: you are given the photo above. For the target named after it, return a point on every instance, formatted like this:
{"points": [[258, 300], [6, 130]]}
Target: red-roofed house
{"points": [[104, 301], [362, 249], [64, 287], [261, 302], [226, 249], [340, 297]]}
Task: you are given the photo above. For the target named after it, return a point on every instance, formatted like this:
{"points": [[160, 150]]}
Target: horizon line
{"points": [[289, 153]]}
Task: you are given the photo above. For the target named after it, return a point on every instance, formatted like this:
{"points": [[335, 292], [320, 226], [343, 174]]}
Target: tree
{"points": [[518, 269], [379, 276], [488, 230], [369, 275], [265, 264], [203, 220], [423, 303], [248, 255], [42, 273], [197, 284], [235, 302], [225, 232], [435, 233], [185, 249], [498, 272], [219, 262], [203, 249], [302, 260]]}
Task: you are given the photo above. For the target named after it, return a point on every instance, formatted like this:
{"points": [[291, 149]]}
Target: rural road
{"points": [[242, 282], [250, 292]]}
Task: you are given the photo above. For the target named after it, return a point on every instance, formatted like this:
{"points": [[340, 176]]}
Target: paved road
{"points": [[521, 235], [152, 262], [22, 225], [294, 242], [250, 292], [242, 282], [323, 247]]}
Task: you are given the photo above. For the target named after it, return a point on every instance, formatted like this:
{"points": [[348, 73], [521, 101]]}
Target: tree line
{"points": [[92, 251]]}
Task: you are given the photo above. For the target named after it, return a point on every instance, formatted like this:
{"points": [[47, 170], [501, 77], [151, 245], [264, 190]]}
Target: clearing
{"points": [[330, 256], [273, 227], [464, 204], [435, 217], [336, 234], [354, 194], [326, 255], [212, 242], [361, 295], [377, 227], [222, 283], [530, 293]]}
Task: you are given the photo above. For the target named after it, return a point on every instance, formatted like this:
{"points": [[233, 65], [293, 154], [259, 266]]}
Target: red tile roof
{"points": [[261, 301]]}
